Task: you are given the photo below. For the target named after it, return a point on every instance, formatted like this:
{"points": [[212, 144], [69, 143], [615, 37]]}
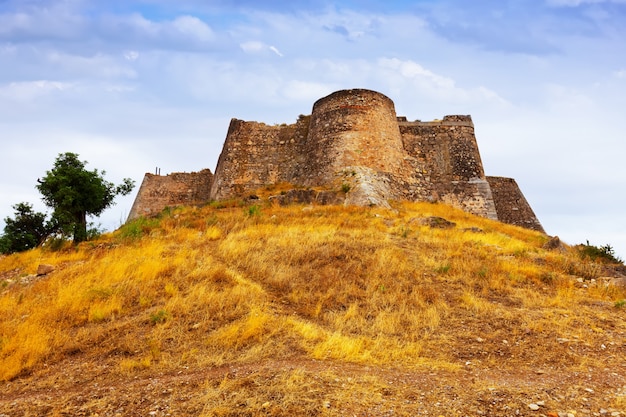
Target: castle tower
{"points": [[512, 206], [354, 141], [353, 128]]}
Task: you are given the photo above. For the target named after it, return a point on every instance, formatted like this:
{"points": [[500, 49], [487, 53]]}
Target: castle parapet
{"points": [[453, 120]]}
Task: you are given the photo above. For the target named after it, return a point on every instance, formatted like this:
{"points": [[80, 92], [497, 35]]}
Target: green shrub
{"points": [[159, 317], [253, 210], [604, 253], [138, 227]]}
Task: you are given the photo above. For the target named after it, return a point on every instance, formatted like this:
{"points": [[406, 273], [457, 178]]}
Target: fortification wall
{"points": [[511, 204], [157, 192], [446, 148], [256, 154], [352, 140], [446, 164]]}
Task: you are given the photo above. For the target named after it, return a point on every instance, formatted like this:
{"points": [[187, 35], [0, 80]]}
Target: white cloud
{"points": [[66, 21], [414, 71], [99, 65], [410, 73], [620, 73], [350, 24], [252, 46], [306, 91], [275, 50], [256, 47], [561, 98], [54, 21], [29, 90], [194, 28], [182, 32], [131, 55]]}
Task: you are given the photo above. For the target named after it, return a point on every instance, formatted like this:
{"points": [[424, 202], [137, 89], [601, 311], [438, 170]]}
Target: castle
{"points": [[354, 150]]}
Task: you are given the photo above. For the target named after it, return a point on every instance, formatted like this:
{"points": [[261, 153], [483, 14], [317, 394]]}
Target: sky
{"points": [[132, 85]]}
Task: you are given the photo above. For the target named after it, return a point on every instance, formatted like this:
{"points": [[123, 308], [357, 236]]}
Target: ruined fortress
{"points": [[354, 150]]}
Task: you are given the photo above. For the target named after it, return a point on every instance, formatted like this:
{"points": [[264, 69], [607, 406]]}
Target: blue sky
{"points": [[134, 85]]}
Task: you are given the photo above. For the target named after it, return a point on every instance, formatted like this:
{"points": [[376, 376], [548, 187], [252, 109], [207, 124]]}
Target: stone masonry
{"points": [[158, 192], [511, 205], [352, 141]]}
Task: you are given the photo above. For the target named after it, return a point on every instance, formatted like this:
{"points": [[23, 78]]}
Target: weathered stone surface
{"points": [[436, 222], [511, 204], [555, 244], [618, 282], [157, 192], [44, 269], [354, 142], [309, 196]]}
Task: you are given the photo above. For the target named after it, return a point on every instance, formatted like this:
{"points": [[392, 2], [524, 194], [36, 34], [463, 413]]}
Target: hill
{"points": [[257, 309]]}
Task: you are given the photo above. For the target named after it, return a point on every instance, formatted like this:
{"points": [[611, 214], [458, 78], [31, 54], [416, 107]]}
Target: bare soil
{"points": [[90, 386]]}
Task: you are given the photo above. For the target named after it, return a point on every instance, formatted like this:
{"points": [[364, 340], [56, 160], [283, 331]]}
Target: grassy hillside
{"points": [[267, 310]]}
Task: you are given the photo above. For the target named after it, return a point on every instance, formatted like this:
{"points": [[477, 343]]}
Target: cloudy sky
{"points": [[135, 85]]}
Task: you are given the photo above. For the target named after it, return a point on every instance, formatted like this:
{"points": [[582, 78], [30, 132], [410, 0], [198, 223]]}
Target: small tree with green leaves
{"points": [[74, 193], [26, 230]]}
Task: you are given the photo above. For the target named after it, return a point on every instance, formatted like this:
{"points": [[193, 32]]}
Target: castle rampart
{"points": [[157, 192], [353, 140], [511, 204], [447, 164]]}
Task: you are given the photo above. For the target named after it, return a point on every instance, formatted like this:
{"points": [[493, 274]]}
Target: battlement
{"points": [[353, 140], [454, 120]]}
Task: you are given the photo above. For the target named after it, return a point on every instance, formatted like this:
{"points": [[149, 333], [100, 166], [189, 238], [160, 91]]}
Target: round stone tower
{"points": [[353, 128]]}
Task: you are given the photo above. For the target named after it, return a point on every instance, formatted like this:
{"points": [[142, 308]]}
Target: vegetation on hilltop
{"points": [[25, 231], [73, 193], [325, 310]]}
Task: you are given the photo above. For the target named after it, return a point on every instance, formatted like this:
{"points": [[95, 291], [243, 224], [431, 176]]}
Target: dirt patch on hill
{"points": [[81, 386]]}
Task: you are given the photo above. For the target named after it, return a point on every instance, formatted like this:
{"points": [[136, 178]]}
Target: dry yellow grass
{"points": [[211, 287]]}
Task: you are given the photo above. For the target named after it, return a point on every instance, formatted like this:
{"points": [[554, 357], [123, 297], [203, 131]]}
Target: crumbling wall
{"points": [[446, 164], [255, 155], [511, 205], [353, 141], [181, 188]]}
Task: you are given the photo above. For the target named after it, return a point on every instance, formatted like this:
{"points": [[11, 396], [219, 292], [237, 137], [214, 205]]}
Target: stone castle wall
{"points": [[157, 192], [511, 204], [446, 164], [256, 154], [352, 140]]}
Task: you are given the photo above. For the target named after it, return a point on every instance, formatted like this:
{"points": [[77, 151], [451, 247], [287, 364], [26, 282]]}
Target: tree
{"points": [[27, 230], [74, 193]]}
